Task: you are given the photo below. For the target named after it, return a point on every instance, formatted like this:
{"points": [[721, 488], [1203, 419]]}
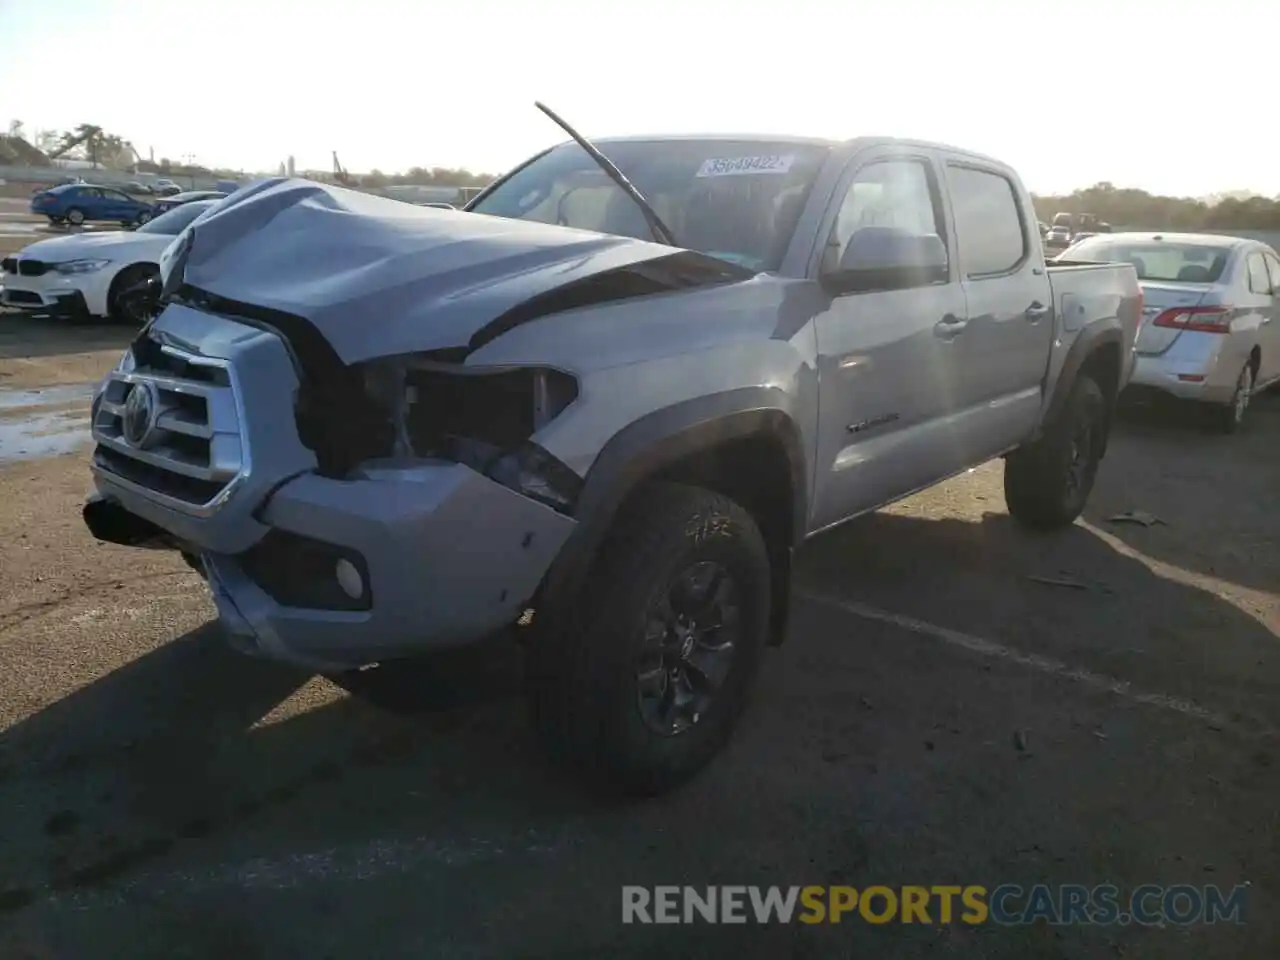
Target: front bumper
{"points": [[448, 556], [55, 295]]}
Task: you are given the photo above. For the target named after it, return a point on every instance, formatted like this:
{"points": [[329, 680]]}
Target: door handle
{"points": [[1037, 311], [950, 326]]}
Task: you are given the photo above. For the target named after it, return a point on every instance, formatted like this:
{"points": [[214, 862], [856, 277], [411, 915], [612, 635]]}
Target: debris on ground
{"points": [[1139, 517], [1060, 582]]}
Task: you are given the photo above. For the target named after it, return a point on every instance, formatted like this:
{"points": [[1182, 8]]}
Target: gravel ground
{"points": [[938, 715]]}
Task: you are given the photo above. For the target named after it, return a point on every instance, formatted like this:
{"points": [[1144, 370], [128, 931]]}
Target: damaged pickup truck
{"points": [[606, 408]]}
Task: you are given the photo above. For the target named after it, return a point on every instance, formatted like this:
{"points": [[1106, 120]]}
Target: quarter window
{"points": [[1273, 267], [1259, 282], [989, 228]]}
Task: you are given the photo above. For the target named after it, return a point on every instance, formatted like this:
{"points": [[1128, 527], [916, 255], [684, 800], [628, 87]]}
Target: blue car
{"points": [[78, 203]]}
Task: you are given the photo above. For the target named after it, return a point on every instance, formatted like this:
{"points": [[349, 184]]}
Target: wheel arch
{"points": [[1098, 352], [742, 443], [114, 287]]}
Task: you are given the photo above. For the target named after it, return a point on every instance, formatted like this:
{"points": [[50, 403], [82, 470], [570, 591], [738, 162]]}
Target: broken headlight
{"points": [[484, 418]]}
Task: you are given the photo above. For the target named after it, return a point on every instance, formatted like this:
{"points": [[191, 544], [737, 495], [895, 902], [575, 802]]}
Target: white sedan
{"points": [[88, 275]]}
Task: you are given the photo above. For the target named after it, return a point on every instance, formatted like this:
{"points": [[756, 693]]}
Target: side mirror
{"points": [[887, 258]]}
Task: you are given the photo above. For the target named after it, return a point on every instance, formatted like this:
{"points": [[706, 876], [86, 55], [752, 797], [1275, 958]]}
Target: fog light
{"points": [[349, 579]]}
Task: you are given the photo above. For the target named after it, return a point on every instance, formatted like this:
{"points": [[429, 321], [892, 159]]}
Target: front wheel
{"points": [[127, 299], [1048, 482], [75, 216], [642, 680], [143, 217]]}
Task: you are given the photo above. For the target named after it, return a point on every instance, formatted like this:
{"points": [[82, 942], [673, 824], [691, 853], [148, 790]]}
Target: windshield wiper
{"points": [[661, 232]]}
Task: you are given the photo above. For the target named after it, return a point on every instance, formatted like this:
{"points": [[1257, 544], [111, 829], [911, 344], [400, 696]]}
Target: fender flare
{"points": [[1086, 344], [648, 445]]}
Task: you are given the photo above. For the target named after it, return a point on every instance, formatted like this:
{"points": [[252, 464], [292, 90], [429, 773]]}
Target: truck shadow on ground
{"points": [[26, 337], [190, 741], [1215, 495]]}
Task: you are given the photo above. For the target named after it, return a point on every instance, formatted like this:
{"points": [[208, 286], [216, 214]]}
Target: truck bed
{"points": [[1085, 293]]}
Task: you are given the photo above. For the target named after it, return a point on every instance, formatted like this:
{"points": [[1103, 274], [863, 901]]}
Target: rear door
{"points": [[1003, 350], [886, 359]]}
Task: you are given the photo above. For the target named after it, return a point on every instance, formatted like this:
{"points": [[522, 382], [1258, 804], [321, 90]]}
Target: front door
{"points": [[119, 206], [888, 377]]}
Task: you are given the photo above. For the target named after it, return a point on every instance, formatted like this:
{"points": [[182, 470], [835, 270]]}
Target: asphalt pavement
{"points": [[958, 702]]}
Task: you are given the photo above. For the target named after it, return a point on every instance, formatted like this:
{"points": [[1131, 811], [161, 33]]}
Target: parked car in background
{"points": [[191, 196], [1056, 239], [137, 187], [165, 188], [91, 275], [650, 418], [78, 203], [1211, 316]]}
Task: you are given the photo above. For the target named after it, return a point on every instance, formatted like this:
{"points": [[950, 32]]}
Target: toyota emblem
{"points": [[139, 416]]}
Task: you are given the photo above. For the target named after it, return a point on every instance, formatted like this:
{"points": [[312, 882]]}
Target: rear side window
{"points": [[1259, 282], [988, 222], [1273, 267], [1157, 260]]}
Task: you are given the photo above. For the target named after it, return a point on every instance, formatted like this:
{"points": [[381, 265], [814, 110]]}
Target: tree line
{"points": [[1127, 207]]}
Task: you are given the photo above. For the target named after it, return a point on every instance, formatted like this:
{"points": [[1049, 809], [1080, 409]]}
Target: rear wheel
{"points": [[1047, 483], [1231, 417], [643, 678]]}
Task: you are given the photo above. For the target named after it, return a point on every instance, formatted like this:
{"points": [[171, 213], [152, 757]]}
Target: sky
{"points": [[1130, 91]]}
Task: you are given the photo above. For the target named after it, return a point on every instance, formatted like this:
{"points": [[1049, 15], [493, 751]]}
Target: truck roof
{"points": [[866, 141]]}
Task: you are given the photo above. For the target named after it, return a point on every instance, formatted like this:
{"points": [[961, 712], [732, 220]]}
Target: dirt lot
{"points": [[937, 716]]}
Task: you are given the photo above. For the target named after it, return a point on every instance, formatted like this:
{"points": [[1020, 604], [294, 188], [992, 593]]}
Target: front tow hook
{"points": [[112, 523]]}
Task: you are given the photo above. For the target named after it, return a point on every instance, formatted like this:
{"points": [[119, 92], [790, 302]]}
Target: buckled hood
{"points": [[377, 277]]}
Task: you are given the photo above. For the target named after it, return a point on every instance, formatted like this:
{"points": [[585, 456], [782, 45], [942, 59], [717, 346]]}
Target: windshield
{"points": [[736, 200], [1158, 261], [176, 220]]}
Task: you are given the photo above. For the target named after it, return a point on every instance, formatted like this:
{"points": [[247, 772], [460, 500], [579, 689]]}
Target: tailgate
{"points": [[1157, 298]]}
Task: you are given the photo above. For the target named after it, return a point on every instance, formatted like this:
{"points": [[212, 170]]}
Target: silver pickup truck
{"points": [[605, 403]]}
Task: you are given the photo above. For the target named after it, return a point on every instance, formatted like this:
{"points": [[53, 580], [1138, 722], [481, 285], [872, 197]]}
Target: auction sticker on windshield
{"points": [[737, 166]]}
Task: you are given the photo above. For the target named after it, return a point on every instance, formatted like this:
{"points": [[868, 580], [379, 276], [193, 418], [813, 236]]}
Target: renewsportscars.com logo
{"points": [[1007, 904]]}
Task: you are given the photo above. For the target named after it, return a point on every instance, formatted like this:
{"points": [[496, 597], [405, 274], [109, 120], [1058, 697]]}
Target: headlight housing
{"points": [[73, 267], [483, 417]]}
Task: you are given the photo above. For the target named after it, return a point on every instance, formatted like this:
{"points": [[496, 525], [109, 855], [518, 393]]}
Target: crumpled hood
{"points": [[376, 276]]}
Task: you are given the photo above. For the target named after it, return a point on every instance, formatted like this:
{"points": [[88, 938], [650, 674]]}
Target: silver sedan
{"points": [[1211, 315]]}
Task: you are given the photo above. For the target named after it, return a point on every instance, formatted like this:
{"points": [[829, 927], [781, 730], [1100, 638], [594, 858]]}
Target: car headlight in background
{"points": [[73, 267]]}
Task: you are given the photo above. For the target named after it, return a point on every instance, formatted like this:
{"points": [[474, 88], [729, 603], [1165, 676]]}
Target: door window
{"points": [[887, 193], [989, 228]]}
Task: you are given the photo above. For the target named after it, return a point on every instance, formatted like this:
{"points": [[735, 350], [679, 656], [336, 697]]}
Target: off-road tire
{"points": [[582, 660], [1230, 419], [1045, 486]]}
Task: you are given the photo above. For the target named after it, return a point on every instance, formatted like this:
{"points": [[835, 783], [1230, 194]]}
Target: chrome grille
{"points": [[192, 451]]}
